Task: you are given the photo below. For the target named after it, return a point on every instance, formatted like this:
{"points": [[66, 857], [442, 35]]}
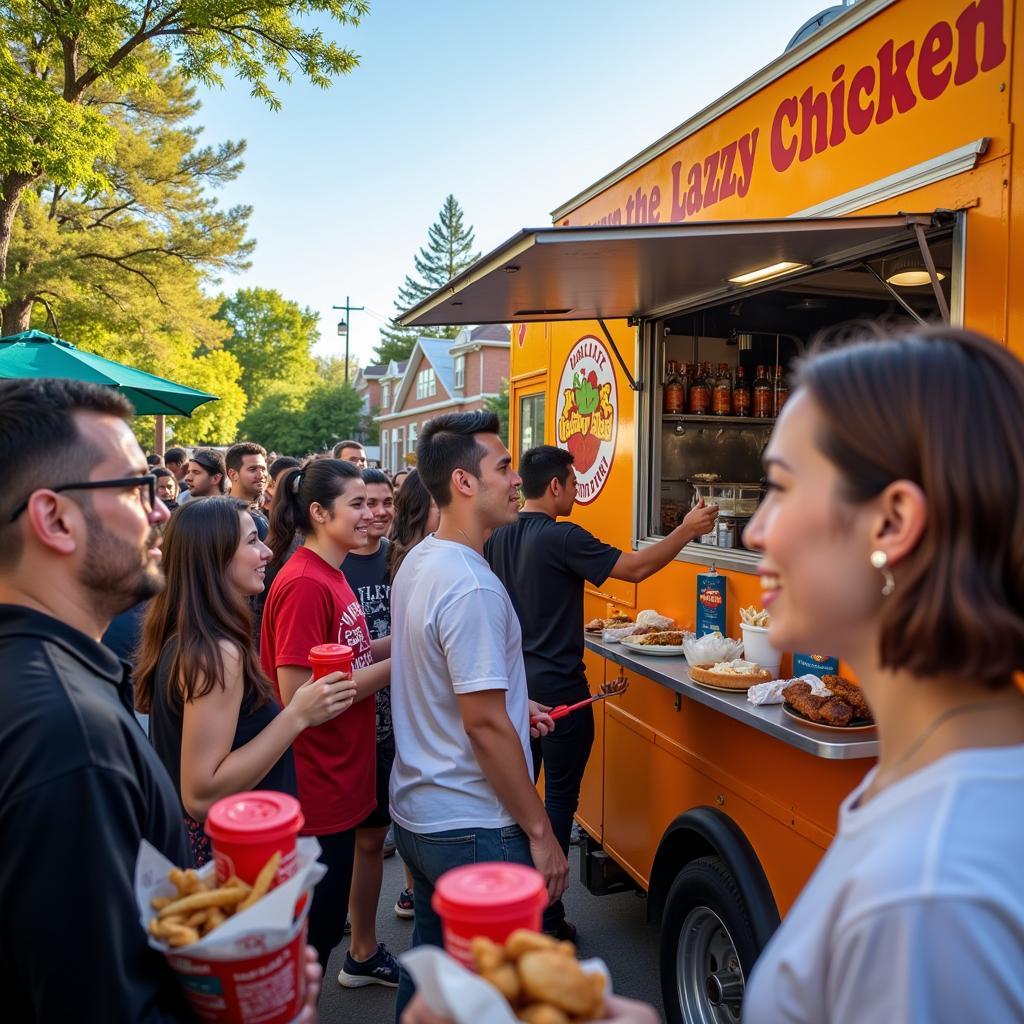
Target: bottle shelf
{"points": [[709, 418]]}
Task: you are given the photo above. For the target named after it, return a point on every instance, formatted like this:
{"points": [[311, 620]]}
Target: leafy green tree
{"points": [[132, 255], [296, 425], [449, 250], [272, 338], [56, 56], [499, 404]]}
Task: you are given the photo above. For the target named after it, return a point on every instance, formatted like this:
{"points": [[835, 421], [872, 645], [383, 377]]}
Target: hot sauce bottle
{"points": [[740, 394], [781, 390], [722, 397], [700, 393], [762, 395], [673, 389]]}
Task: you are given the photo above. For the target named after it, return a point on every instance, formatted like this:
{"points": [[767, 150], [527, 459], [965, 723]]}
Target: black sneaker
{"points": [[404, 907], [380, 969]]}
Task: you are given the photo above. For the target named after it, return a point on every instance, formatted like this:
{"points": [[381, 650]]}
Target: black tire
{"points": [[704, 969]]}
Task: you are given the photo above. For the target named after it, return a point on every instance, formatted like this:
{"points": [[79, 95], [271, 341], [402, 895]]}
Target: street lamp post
{"points": [[343, 323]]}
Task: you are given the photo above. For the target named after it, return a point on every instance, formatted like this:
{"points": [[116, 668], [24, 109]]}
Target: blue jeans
{"points": [[429, 856]]}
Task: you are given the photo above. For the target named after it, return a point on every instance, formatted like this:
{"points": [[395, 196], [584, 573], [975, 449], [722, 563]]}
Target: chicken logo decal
{"points": [[588, 414]]}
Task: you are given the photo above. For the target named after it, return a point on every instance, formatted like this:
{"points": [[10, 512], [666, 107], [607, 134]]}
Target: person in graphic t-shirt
{"points": [[544, 564], [311, 603], [367, 573]]}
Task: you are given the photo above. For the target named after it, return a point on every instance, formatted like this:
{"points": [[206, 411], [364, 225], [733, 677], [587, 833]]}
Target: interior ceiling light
{"points": [[808, 303], [909, 272], [765, 273]]}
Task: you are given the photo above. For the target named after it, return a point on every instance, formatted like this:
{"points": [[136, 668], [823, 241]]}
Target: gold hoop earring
{"points": [[880, 561]]}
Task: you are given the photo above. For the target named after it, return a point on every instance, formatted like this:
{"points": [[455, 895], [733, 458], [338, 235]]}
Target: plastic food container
{"points": [[326, 658], [757, 648], [248, 828], [492, 900]]}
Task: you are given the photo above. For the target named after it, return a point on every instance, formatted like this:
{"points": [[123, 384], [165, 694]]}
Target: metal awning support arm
{"points": [[926, 255], [634, 386], [895, 294]]}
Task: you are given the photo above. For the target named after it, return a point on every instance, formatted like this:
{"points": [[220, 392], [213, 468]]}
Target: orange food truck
{"points": [[868, 174]]}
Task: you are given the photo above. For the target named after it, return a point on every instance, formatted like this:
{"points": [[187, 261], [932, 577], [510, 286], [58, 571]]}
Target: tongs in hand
{"points": [[613, 689]]}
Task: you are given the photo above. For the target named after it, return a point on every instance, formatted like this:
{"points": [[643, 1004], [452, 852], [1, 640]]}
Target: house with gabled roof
{"points": [[441, 375]]}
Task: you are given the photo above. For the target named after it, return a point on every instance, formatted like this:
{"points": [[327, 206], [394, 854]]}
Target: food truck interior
{"points": [[721, 374]]}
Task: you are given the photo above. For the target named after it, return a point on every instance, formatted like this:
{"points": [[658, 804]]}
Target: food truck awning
{"points": [[591, 273]]}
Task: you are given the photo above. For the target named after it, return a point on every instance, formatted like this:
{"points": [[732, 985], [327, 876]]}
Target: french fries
{"points": [[755, 617], [201, 906]]}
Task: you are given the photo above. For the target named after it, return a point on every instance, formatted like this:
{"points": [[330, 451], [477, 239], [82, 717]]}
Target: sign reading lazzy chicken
{"points": [[587, 415]]}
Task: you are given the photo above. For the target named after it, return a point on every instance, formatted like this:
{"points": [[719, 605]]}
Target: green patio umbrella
{"points": [[35, 354]]}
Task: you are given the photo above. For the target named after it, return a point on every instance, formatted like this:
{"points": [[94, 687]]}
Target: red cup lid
{"points": [[331, 652], [484, 890], [260, 816]]}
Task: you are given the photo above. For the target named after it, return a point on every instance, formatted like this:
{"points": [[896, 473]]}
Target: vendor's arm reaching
{"points": [[636, 566]]}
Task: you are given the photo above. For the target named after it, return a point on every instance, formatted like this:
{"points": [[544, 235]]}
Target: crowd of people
{"points": [[459, 587]]}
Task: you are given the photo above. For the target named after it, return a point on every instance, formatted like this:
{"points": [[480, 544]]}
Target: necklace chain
{"points": [[946, 715]]}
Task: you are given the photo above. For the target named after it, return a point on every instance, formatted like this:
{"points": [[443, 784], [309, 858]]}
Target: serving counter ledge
{"points": [[674, 673]]}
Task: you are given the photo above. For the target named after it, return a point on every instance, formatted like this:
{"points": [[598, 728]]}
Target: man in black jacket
{"points": [[80, 786]]}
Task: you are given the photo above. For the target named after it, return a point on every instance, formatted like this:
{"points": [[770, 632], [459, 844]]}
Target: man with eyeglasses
{"points": [[80, 786], [351, 451]]}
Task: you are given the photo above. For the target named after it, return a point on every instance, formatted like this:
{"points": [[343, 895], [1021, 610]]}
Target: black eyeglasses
{"points": [[148, 496]]}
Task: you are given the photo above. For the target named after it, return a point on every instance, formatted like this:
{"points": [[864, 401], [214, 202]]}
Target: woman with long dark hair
{"points": [[213, 718], [892, 535], [416, 515], [311, 603]]}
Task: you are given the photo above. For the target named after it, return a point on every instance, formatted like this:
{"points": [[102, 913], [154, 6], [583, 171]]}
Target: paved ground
{"points": [[611, 927]]}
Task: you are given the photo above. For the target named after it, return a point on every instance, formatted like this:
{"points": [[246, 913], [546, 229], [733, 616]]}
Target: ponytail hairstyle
{"points": [[412, 510], [198, 608], [319, 481]]}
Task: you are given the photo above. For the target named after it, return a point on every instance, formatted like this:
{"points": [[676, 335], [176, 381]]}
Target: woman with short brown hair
{"points": [[892, 535]]}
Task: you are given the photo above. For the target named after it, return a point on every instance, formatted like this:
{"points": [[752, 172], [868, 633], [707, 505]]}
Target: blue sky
{"points": [[512, 107]]}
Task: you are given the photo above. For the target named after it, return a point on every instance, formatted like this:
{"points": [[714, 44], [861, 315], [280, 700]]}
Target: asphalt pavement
{"points": [[610, 927]]}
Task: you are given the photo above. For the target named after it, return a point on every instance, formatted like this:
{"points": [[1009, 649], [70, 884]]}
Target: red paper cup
{"points": [[246, 829], [266, 986], [326, 658], [492, 900]]}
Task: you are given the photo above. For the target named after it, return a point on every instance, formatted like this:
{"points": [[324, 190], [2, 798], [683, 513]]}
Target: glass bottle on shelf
{"points": [[781, 390], [673, 402], [762, 395], [700, 392], [740, 394], [722, 396]]}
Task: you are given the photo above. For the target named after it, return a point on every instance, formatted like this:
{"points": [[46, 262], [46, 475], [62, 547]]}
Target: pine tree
{"points": [[449, 250]]}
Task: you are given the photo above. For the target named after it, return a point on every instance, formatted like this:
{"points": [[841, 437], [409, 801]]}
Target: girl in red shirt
{"points": [[311, 603]]}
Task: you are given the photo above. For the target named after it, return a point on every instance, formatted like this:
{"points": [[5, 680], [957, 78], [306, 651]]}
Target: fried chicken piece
{"points": [[551, 977], [543, 1013], [847, 691], [800, 697], [835, 711]]}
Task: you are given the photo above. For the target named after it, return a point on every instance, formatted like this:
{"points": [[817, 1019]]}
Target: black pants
{"points": [[330, 897], [564, 754]]}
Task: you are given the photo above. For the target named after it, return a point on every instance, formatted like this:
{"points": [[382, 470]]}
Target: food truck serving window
{"points": [[723, 309]]}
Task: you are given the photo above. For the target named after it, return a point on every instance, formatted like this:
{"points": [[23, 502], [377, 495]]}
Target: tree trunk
{"points": [[16, 317], [12, 188]]}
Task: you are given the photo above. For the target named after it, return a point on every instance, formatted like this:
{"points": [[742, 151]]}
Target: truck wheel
{"points": [[708, 947]]}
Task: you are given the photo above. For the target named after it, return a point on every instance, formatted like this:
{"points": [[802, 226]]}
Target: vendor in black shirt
{"points": [[80, 785], [543, 564]]}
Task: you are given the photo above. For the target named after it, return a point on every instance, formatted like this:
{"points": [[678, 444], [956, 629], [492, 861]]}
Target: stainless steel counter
{"points": [[674, 673]]}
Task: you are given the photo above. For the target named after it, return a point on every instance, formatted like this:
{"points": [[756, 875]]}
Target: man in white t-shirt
{"points": [[462, 787]]}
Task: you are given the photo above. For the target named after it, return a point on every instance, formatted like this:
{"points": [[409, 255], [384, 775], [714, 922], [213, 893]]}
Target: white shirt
{"points": [[916, 913], [453, 631]]}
